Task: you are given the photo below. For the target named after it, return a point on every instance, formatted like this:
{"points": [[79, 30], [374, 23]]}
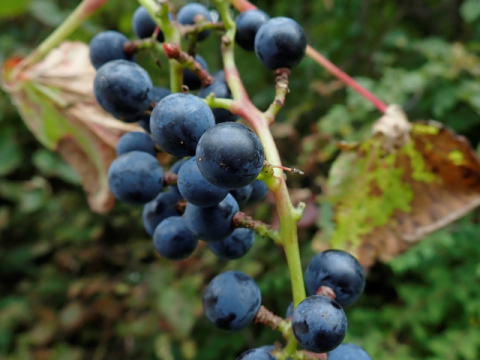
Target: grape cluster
{"points": [[216, 173]]}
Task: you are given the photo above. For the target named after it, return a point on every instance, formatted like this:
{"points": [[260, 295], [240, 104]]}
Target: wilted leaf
{"points": [[55, 99], [405, 183]]}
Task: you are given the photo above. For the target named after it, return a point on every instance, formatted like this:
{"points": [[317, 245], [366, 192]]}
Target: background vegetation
{"points": [[76, 285]]}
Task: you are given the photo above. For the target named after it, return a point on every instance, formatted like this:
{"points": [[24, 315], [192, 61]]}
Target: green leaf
{"points": [[13, 8], [470, 10], [10, 152], [52, 165]]}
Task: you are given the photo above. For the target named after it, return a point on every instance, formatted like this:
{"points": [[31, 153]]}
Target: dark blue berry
{"points": [[234, 246], [280, 43], [231, 301], [143, 25], [186, 16], [107, 46], [256, 354], [242, 194], [123, 89], [178, 122], [160, 208], [135, 177], [174, 170], [195, 189], [259, 191], [212, 223], [230, 155], [289, 312], [319, 324], [248, 24], [173, 240], [158, 94], [338, 270], [221, 90], [267, 348], [190, 79], [135, 141], [348, 352]]}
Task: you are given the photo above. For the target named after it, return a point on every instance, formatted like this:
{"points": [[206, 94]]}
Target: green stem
{"points": [[73, 21], [172, 36], [214, 102], [241, 220], [288, 215]]}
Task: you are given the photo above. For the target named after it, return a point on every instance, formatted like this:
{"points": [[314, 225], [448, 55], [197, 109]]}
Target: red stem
{"points": [[345, 78], [244, 5]]}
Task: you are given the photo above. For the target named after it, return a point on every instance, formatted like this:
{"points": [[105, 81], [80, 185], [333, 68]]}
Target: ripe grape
{"points": [[158, 94], [135, 141], [107, 46], [256, 354], [195, 189], [123, 89], [319, 324], [174, 170], [248, 24], [212, 223], [338, 270], [234, 246], [135, 177], [160, 208], [222, 91], [143, 25], [242, 194], [348, 351], [267, 348], [280, 43], [186, 16], [190, 79], [173, 240], [259, 191], [178, 122], [230, 155], [231, 301]]}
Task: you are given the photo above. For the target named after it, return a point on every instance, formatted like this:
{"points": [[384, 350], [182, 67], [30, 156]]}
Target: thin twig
{"points": [[266, 317], [281, 90], [173, 51], [78, 16], [199, 27], [241, 220]]}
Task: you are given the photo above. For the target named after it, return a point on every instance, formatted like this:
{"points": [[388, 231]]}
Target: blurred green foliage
{"points": [[75, 285]]}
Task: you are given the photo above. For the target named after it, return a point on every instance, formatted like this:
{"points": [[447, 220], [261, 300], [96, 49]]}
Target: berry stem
{"points": [[200, 26], [173, 51], [241, 220], [215, 102], [132, 47], [170, 178], [287, 213], [266, 317], [73, 21], [326, 291], [172, 36], [345, 78], [244, 5], [281, 90]]}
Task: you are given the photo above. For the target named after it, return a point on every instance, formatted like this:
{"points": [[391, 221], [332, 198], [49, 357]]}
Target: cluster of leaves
{"points": [[78, 285]]}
